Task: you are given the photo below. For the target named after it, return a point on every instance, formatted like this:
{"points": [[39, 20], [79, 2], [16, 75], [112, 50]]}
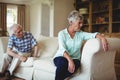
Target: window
{"points": [[11, 15]]}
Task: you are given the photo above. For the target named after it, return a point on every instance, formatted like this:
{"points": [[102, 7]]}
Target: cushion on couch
{"points": [[47, 47], [28, 63], [47, 65]]}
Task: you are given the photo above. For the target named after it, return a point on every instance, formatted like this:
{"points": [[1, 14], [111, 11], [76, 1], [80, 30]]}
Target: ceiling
{"points": [[17, 1]]}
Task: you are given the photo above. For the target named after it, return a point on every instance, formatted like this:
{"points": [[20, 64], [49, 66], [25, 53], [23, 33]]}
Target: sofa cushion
{"points": [[24, 72], [47, 47], [28, 63], [45, 64]]}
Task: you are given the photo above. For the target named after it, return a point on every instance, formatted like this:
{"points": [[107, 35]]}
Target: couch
{"points": [[95, 63]]}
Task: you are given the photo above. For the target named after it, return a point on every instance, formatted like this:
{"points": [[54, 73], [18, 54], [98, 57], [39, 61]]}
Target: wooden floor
{"points": [[117, 70], [117, 64], [13, 78]]}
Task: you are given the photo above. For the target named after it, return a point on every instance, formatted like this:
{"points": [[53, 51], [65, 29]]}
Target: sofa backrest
{"points": [[47, 46]]}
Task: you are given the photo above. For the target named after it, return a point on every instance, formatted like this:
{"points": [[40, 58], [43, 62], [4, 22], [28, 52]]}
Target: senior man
{"points": [[21, 45]]}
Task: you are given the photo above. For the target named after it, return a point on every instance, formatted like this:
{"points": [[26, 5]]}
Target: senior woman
{"points": [[67, 58]]}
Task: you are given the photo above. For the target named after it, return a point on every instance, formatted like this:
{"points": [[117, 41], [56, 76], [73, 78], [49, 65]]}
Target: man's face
{"points": [[18, 32]]}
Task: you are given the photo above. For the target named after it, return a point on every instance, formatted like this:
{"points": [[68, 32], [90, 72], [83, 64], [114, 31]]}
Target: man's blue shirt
{"points": [[24, 44]]}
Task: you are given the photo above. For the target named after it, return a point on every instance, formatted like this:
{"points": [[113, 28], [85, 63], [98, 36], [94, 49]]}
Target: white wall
{"points": [[35, 18], [59, 10], [45, 24]]}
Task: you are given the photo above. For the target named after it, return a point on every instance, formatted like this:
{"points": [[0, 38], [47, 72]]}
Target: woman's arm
{"points": [[71, 65], [104, 41]]}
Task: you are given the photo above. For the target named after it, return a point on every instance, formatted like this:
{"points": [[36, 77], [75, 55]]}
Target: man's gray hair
{"points": [[74, 15], [13, 27]]}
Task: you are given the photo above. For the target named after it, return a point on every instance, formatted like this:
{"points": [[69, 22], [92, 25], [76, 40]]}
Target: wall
{"points": [[61, 10], [35, 18], [38, 21]]}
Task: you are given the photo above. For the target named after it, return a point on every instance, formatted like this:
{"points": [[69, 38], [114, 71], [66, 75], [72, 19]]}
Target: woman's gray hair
{"points": [[73, 16], [13, 27]]}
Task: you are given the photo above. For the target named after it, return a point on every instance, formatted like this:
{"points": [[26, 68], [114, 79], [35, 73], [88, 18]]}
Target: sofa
{"points": [[96, 64]]}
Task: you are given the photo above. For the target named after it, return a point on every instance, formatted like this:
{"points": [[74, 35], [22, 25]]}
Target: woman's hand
{"points": [[104, 44], [71, 66], [104, 41]]}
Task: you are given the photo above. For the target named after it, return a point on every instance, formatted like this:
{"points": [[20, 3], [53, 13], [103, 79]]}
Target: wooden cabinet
{"points": [[116, 16], [84, 8], [100, 15]]}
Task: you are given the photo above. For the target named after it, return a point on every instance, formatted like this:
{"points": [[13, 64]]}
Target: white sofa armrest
{"points": [[3, 46], [97, 64]]}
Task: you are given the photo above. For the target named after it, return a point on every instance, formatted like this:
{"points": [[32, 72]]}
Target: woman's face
{"points": [[18, 32], [77, 25]]}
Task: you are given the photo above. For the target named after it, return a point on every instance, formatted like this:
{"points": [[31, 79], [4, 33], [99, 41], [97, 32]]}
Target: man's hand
{"points": [[23, 58]]}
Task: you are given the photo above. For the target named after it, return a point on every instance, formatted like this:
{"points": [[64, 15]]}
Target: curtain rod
{"points": [[13, 3]]}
